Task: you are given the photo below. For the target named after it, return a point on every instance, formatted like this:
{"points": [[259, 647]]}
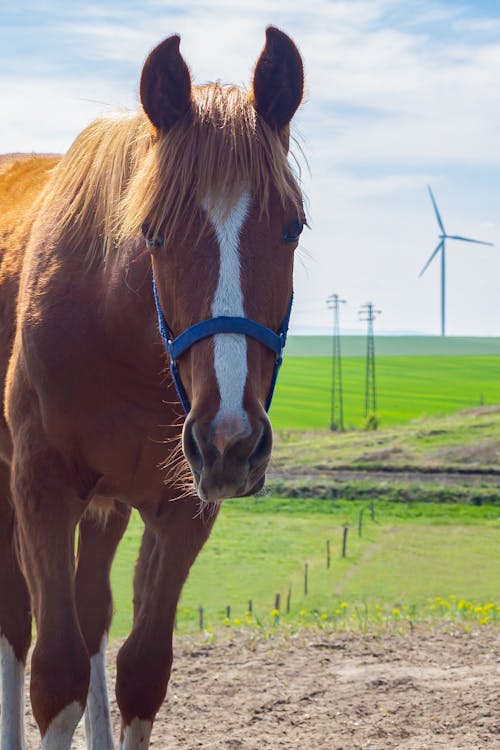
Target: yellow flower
{"points": [[324, 616], [226, 621], [303, 613], [236, 622], [344, 605], [396, 613], [275, 612], [484, 621]]}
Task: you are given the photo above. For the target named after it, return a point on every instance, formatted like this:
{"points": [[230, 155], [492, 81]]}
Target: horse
{"points": [[169, 228]]}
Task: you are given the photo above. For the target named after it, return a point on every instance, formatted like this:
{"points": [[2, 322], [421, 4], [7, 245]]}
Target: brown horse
{"points": [[195, 190]]}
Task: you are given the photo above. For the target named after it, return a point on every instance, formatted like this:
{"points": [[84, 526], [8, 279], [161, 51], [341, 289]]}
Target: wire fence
{"points": [[283, 605]]}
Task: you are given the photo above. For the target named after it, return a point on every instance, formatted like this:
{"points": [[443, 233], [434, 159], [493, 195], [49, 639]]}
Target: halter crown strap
{"points": [[212, 326]]}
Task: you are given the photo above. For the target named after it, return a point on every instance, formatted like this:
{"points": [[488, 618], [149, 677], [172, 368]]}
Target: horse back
{"points": [[22, 178]]}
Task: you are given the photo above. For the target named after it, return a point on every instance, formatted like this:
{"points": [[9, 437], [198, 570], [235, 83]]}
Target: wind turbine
{"points": [[442, 249]]}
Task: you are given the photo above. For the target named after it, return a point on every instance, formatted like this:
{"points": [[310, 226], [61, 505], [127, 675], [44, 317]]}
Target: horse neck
{"points": [[117, 302], [129, 310]]}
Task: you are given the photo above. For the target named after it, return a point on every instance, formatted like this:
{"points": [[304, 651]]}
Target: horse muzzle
{"points": [[228, 458]]}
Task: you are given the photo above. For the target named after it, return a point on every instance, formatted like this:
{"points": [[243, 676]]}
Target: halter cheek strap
{"points": [[212, 326]]}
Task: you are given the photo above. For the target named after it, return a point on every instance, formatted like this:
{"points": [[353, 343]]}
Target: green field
{"points": [[414, 560], [408, 387], [406, 556]]}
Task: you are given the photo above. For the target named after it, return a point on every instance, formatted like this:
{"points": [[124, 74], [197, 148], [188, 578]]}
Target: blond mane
{"points": [[119, 174]]}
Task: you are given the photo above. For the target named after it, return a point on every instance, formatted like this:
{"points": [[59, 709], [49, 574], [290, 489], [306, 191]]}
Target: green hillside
{"points": [[355, 346]]}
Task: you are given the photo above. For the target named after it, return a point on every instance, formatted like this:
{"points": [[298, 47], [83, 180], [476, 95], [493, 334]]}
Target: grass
{"points": [[408, 554], [407, 388]]}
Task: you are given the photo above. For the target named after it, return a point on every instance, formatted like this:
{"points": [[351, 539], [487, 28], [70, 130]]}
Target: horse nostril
{"points": [[263, 447], [191, 448]]}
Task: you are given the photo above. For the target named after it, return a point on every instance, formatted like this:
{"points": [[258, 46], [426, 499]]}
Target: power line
{"points": [[337, 400], [368, 313]]}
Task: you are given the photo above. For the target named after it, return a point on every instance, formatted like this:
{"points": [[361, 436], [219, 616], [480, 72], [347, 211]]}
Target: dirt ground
{"points": [[315, 691]]}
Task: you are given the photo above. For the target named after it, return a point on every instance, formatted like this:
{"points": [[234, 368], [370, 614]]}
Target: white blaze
{"points": [[230, 349], [12, 702], [97, 715]]}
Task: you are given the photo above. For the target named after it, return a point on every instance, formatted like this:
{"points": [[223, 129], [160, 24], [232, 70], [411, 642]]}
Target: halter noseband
{"points": [[212, 326]]}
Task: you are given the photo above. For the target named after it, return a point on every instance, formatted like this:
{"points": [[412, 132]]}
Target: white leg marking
{"points": [[12, 717], [137, 735], [230, 349], [61, 729], [97, 715]]}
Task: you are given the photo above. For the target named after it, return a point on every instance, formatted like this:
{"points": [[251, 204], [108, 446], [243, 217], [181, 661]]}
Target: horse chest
{"points": [[103, 413], [129, 454], [122, 434]]}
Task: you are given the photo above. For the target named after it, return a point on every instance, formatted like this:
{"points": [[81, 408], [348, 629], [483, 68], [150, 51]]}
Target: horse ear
{"points": [[165, 87], [278, 82]]}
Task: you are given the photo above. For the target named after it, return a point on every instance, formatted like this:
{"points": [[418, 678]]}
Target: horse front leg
{"points": [[170, 545], [47, 511], [98, 538], [15, 625]]}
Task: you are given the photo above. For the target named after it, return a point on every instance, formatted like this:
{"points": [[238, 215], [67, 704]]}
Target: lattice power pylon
{"points": [[368, 313], [337, 399]]}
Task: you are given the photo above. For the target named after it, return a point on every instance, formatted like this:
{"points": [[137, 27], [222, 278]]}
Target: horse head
{"points": [[222, 223]]}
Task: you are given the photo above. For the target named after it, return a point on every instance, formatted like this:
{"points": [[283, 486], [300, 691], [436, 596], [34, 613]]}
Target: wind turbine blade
{"points": [[436, 210], [468, 239], [424, 269]]}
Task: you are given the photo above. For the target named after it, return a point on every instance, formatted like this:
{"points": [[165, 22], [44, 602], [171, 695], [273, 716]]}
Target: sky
{"points": [[399, 95]]}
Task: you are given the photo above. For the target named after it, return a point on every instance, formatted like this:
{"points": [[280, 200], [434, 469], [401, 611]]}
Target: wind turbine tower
{"points": [[441, 248]]}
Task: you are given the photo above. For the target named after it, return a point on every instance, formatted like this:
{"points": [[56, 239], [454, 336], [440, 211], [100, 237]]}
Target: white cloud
{"points": [[398, 94]]}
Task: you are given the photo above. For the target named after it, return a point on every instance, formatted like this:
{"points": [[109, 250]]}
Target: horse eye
{"points": [[291, 232], [152, 240]]}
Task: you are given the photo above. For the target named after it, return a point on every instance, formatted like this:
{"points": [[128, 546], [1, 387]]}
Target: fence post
{"points": [[228, 611], [327, 553], [200, 617], [360, 522], [250, 606], [344, 540], [289, 599]]}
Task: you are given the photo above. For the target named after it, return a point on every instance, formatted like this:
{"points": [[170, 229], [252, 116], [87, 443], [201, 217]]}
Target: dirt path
{"points": [[316, 691]]}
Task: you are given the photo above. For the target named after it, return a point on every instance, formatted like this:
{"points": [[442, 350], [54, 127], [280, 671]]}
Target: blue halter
{"points": [[220, 324]]}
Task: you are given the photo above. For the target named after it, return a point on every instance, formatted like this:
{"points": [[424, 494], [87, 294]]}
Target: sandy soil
{"points": [[415, 691]]}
